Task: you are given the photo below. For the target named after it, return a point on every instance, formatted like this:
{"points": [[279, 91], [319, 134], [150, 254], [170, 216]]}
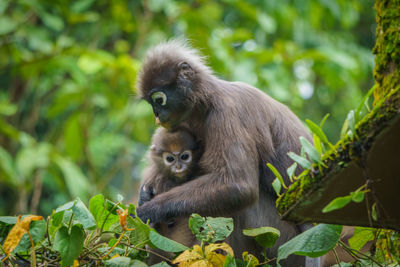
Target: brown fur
{"points": [[241, 129], [158, 179]]}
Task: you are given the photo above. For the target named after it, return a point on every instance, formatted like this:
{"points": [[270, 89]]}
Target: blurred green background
{"points": [[70, 123]]}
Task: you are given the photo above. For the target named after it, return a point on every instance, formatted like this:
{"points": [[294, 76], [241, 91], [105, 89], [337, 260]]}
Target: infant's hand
{"points": [[146, 194]]}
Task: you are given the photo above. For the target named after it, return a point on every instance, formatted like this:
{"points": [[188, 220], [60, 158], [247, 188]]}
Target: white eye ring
{"points": [[168, 158], [187, 153], [159, 98]]}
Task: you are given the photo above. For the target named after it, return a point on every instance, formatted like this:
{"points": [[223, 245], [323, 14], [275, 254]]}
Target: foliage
{"points": [[314, 242], [69, 126]]}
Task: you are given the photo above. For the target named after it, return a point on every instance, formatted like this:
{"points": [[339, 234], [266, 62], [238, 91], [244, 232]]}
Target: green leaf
{"points": [[357, 196], [314, 242], [318, 131], [361, 236], [363, 102], [7, 25], [52, 21], [8, 172], [277, 174], [32, 157], [351, 120], [69, 244], [345, 127], [230, 261], [124, 262], [310, 150], [210, 229], [37, 230], [76, 181], [8, 219], [73, 137], [141, 234], [323, 120], [162, 264], [291, 170], [300, 160], [250, 260], [318, 144], [265, 236], [83, 215], [337, 203], [7, 109], [164, 243], [66, 206], [56, 220], [97, 206], [276, 185], [374, 214]]}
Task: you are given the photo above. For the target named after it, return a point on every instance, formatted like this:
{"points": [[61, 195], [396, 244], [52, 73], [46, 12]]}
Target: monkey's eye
{"points": [[186, 156], [168, 158], [159, 98]]}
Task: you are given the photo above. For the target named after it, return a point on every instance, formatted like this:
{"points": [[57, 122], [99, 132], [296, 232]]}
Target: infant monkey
{"points": [[172, 159]]}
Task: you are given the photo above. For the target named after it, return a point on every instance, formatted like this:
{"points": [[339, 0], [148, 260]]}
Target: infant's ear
{"points": [[155, 150]]}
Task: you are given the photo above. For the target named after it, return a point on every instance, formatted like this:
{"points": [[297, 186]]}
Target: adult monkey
{"points": [[240, 129]]}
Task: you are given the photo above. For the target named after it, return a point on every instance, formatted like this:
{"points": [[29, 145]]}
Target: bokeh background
{"points": [[70, 122]]}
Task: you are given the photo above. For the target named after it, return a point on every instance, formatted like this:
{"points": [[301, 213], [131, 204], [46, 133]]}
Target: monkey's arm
{"points": [[152, 176], [231, 182]]}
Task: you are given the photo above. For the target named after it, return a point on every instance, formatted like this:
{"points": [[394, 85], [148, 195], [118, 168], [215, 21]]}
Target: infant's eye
{"points": [[186, 156], [159, 98], [170, 158]]}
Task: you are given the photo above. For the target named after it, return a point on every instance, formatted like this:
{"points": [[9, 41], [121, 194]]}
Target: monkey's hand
{"points": [[146, 194], [148, 211]]}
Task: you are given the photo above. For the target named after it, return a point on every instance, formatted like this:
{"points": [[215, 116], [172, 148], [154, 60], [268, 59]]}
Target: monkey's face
{"points": [[170, 106], [179, 163]]}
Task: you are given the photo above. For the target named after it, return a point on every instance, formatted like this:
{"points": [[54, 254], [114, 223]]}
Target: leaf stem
{"points": [[115, 244]]}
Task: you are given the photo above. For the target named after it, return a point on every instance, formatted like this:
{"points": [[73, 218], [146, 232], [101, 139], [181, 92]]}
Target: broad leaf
{"points": [[164, 243], [37, 230], [18, 231], [97, 206], [314, 242], [210, 229], [124, 262], [69, 244], [265, 236], [83, 215], [361, 236], [161, 264]]}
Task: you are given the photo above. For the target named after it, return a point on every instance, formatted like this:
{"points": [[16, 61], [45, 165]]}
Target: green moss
{"points": [[387, 61]]}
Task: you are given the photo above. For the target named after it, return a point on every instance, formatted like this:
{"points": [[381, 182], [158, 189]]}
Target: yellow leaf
{"points": [[214, 259], [222, 246], [196, 258], [188, 257], [250, 259], [115, 256], [18, 230], [76, 263]]}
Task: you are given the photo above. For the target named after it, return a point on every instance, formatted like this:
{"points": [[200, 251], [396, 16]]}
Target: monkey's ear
{"points": [[185, 77]]}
